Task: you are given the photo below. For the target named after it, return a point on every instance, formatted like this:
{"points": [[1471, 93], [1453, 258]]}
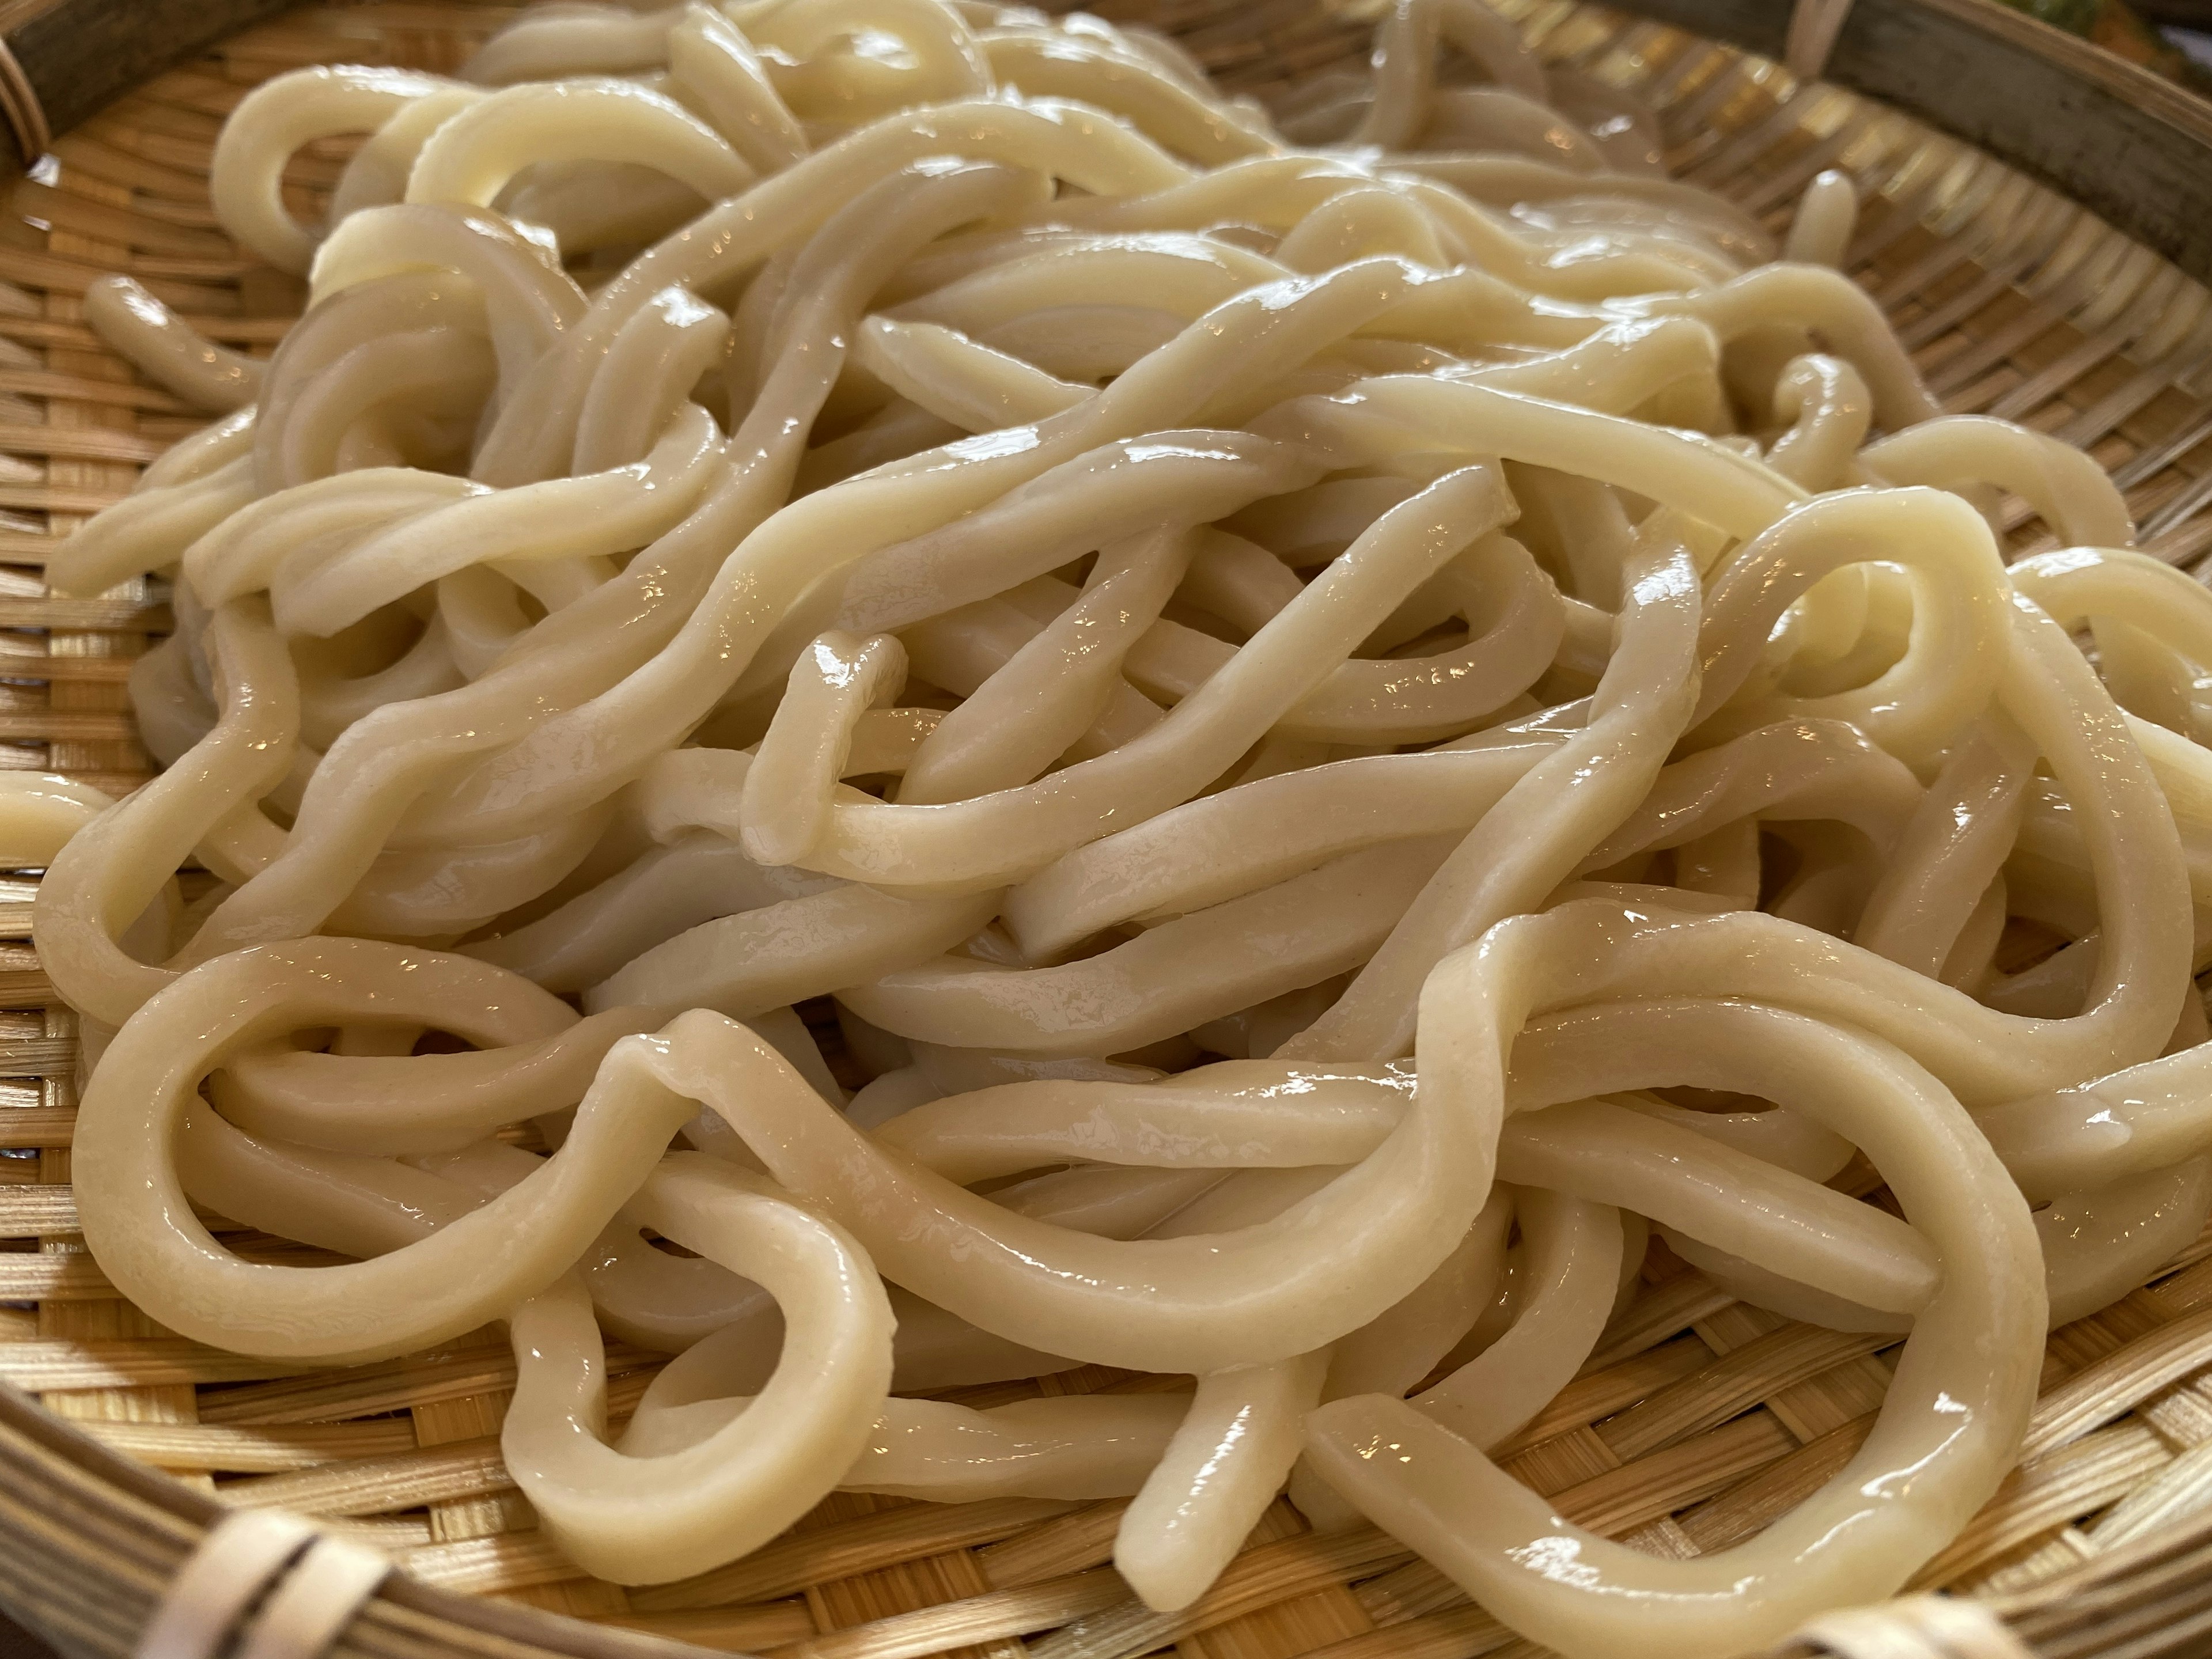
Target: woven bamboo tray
{"points": [[2015, 302]]}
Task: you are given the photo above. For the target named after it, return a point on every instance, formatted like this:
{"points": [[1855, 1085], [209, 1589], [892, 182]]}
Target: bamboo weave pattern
{"points": [[2013, 302]]}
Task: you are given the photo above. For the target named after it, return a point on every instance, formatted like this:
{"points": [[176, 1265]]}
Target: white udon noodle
{"points": [[1186, 626]]}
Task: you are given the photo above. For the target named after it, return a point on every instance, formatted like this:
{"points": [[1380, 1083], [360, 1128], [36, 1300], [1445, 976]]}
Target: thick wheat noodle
{"points": [[1839, 1237], [1288, 683], [122, 312], [396, 762], [1567, 1585], [1231, 1455], [1821, 229], [393, 756], [360, 1206], [1827, 400]]}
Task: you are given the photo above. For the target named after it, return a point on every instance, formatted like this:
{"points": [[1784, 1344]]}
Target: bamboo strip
{"points": [[1411, 1591], [1270, 1573], [1596, 1394], [375, 1486], [118, 166], [504, 1561], [1048, 1549], [37, 383], [17, 654], [80, 443], [2125, 1600], [979, 1619], [2116, 1384], [1676, 1476], [32, 200], [44, 498], [37, 1057], [204, 1448], [36, 990], [1683, 1434], [1812, 1407], [1765, 1366], [2182, 1415], [1459, 1633], [1739, 1513], [50, 1365], [25, 1211], [89, 616], [728, 1629], [51, 273], [1656, 1313], [2181, 1488], [363, 1391], [47, 1277], [806, 1558], [2085, 1475]]}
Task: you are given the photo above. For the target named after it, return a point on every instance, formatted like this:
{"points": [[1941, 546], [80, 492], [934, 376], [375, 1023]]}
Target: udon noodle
{"points": [[1353, 711]]}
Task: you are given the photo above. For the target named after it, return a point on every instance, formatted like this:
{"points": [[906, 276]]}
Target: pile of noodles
{"points": [[1356, 711]]}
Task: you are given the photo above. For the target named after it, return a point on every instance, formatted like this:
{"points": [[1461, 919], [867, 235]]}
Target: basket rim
{"points": [[2172, 1567], [176, 1519], [1906, 54]]}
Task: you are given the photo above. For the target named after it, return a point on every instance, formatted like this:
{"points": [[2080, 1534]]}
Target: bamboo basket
{"points": [[1698, 1419]]}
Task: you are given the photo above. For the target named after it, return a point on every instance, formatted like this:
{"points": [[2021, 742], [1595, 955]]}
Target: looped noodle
{"points": [[884, 698]]}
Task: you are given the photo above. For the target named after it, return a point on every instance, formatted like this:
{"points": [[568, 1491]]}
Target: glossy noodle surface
{"points": [[884, 696]]}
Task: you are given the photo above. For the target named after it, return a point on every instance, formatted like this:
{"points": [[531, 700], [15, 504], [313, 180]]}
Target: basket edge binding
{"points": [[2040, 100], [63, 1480], [168, 1519], [2054, 106], [77, 57]]}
